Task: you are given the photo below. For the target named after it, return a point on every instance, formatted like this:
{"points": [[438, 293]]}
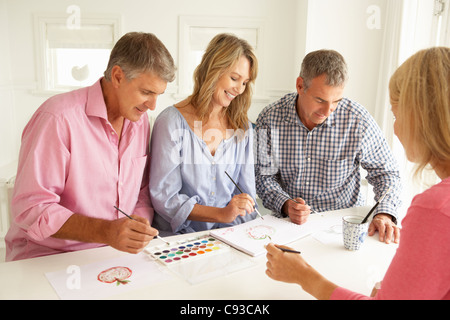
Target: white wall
{"points": [[8, 132], [343, 26], [292, 27]]}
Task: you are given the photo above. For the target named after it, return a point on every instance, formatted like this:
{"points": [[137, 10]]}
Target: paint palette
{"points": [[188, 251]]}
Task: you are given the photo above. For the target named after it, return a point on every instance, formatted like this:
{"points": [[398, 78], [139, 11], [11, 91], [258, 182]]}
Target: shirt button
{"points": [[212, 193], [213, 163]]}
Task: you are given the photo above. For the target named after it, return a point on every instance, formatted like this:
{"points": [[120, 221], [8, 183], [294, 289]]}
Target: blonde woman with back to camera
{"points": [[420, 99]]}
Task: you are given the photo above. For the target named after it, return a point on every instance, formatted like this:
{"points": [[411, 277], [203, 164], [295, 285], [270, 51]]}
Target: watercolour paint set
{"points": [[226, 250], [199, 259], [192, 249]]}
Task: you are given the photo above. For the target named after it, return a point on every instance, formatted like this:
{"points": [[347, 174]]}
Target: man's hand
{"points": [[387, 229], [131, 235], [297, 210]]}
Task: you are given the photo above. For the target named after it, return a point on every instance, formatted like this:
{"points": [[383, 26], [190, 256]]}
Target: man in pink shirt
{"points": [[86, 151]]}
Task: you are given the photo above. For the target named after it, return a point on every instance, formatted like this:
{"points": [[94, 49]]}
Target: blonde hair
{"points": [[420, 90], [222, 53]]}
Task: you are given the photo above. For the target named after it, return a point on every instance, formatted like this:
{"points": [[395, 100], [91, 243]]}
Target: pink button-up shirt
{"points": [[71, 161]]}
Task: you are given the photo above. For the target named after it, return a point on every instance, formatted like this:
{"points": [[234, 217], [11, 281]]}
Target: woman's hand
{"points": [[292, 268], [240, 205]]}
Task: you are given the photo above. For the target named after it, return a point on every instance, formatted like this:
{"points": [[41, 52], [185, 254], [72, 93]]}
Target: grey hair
{"points": [[327, 62], [139, 52]]}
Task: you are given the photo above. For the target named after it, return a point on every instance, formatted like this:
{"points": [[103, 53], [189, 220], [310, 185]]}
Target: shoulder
{"points": [[169, 116], [171, 124], [435, 198], [59, 111], [355, 109], [64, 103], [278, 109], [352, 112]]}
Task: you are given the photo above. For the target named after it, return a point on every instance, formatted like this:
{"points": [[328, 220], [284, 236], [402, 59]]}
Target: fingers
{"points": [[143, 226], [271, 249], [282, 266], [133, 235], [387, 230], [274, 249], [396, 234], [298, 211], [388, 233], [244, 203]]}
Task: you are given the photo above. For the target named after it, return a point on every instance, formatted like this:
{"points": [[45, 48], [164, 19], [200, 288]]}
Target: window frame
{"points": [[217, 24], [43, 55], [442, 22]]}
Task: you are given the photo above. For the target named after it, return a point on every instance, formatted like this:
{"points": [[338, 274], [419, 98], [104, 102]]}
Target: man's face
{"points": [[316, 103], [136, 96]]}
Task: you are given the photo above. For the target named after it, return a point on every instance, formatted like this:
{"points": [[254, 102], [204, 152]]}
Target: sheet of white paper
{"points": [[330, 235], [215, 266], [252, 236], [83, 282]]}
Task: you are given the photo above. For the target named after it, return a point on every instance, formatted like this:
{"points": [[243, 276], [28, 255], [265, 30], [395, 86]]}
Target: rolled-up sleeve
{"points": [[165, 175], [41, 178]]}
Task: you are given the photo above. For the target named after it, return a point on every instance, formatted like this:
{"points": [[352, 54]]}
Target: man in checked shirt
{"points": [[311, 144]]}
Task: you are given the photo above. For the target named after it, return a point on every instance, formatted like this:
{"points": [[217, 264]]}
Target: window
{"points": [[441, 23], [72, 56]]}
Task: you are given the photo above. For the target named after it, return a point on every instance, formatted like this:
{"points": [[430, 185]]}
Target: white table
{"points": [[357, 271]]}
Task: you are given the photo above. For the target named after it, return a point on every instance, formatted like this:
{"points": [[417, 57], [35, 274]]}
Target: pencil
{"points": [[240, 190], [289, 250], [135, 220]]}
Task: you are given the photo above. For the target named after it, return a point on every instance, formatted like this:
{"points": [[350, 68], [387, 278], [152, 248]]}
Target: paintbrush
{"points": [[312, 211], [285, 250], [376, 205], [130, 217], [289, 250], [259, 214]]}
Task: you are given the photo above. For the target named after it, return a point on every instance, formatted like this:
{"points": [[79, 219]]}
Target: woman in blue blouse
{"points": [[199, 139]]}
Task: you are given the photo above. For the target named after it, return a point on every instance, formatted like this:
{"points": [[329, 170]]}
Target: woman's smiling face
{"points": [[232, 83]]}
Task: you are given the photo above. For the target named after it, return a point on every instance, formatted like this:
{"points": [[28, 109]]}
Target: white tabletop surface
{"points": [[355, 270]]}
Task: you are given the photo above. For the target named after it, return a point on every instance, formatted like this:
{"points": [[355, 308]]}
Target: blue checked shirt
{"points": [[322, 166]]}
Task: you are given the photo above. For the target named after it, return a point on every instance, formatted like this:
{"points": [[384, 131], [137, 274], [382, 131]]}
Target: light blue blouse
{"points": [[184, 173]]}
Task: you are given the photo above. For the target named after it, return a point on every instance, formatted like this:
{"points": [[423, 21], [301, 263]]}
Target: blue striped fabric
{"points": [[322, 166]]}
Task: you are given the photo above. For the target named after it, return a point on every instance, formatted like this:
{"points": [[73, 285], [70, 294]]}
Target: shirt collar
{"points": [[95, 105]]}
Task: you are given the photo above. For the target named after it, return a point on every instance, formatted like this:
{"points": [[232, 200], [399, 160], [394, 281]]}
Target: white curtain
{"points": [[408, 28], [389, 63]]}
